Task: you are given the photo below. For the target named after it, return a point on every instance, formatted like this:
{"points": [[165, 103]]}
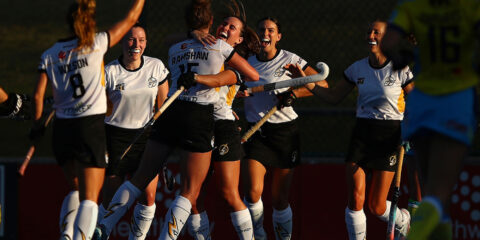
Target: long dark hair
{"points": [[250, 44], [198, 14]]}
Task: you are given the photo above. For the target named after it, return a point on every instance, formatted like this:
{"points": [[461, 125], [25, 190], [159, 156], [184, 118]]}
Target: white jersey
{"points": [[133, 92], [190, 55], [271, 71], [380, 90], [222, 109], [77, 77]]}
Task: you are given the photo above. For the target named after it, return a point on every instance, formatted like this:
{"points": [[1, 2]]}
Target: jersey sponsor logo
{"points": [[294, 156], [223, 149], [393, 160], [80, 63], [62, 55], [389, 81], [119, 87], [360, 80], [172, 227], [78, 109], [190, 56], [152, 82], [279, 72], [184, 46]]}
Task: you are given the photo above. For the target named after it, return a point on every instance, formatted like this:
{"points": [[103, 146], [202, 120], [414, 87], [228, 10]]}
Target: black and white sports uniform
{"points": [[133, 94], [277, 142], [78, 81], [227, 134], [380, 106], [188, 122]]}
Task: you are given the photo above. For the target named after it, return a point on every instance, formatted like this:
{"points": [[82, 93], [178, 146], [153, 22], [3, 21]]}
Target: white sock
{"points": [[176, 218], [242, 222], [256, 212], [356, 224], [101, 213], [85, 220], [68, 212], [282, 223], [141, 220], [124, 197], [399, 222], [198, 226]]}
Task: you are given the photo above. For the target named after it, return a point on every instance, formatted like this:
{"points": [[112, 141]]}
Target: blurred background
{"points": [[325, 30]]}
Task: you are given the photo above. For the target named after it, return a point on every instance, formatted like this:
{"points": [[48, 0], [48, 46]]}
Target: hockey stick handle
{"points": [[31, 150], [154, 118], [294, 82], [396, 194], [257, 125]]}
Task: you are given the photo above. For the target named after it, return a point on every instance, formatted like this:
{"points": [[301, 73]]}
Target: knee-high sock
{"points": [[124, 197], [68, 212], [400, 218], [198, 226], [356, 224], [256, 212], [141, 220], [282, 223], [242, 222], [86, 220], [176, 218], [101, 213]]}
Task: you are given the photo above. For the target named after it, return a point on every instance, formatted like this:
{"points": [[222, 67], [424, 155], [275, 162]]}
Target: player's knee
{"points": [[254, 193], [356, 202], [376, 208]]}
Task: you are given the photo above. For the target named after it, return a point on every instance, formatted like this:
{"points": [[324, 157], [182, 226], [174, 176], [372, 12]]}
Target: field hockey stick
{"points": [[31, 150], [323, 68], [395, 196], [257, 125], [154, 118]]}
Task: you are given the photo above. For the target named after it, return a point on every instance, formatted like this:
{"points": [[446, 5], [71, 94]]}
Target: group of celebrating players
{"points": [[100, 109]]}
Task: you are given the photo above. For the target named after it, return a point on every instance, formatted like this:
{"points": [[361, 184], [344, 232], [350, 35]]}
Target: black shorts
{"points": [[118, 139], [185, 124], [227, 142], [374, 144], [275, 145], [80, 139]]}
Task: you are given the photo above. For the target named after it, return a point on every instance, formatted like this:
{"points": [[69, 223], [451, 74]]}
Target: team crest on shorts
{"points": [[392, 160], [294, 156], [152, 82], [223, 149]]}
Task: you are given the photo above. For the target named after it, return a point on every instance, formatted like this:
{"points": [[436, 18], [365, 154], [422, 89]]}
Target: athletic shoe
{"points": [[424, 221], [412, 207], [99, 233], [443, 231], [401, 233], [65, 237]]}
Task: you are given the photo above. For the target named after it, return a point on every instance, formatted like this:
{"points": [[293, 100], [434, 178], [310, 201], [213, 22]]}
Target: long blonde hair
{"points": [[82, 22]]}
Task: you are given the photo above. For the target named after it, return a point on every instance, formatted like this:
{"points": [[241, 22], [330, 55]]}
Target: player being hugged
{"points": [[377, 134], [135, 85], [276, 145], [188, 123], [74, 67]]}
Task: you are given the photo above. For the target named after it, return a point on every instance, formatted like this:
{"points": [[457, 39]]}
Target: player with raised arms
{"points": [[136, 84], [187, 124], [377, 134], [74, 67], [441, 109], [276, 146]]}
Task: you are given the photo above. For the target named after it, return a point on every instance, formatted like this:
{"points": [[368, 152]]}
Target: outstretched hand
{"points": [[295, 70]]}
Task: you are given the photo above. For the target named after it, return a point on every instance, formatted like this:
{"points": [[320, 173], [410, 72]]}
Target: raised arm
{"points": [[117, 31]]}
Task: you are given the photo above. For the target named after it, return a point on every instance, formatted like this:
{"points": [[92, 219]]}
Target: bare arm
{"points": [[162, 93], [3, 95], [409, 87], [240, 64], [227, 77], [38, 96], [296, 71], [123, 26]]}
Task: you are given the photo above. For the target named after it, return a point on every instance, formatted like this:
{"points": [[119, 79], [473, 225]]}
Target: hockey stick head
{"points": [[323, 69]]}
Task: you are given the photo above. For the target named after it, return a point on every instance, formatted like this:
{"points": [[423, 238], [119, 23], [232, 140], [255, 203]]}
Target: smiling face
{"points": [[374, 36], [230, 30], [134, 44], [268, 33]]}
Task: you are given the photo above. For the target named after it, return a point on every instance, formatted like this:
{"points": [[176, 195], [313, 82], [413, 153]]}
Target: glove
{"points": [[187, 80], [286, 99], [16, 107], [36, 133]]}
